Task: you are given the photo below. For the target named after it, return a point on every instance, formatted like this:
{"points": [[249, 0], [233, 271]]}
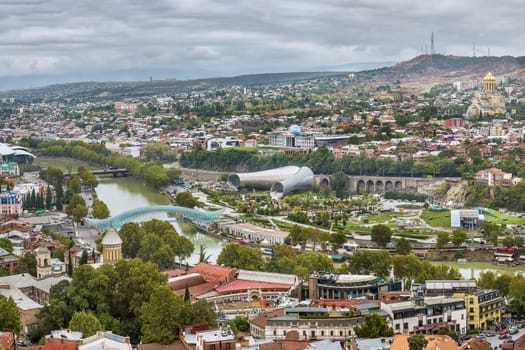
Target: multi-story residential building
{"points": [[427, 315], [333, 285], [311, 323], [216, 339], [10, 204], [483, 308]]}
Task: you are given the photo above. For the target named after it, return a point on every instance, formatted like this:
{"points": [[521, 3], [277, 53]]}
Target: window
{"points": [[471, 318], [471, 301], [212, 346], [405, 325], [471, 309], [397, 326], [228, 346], [313, 334], [322, 333]]}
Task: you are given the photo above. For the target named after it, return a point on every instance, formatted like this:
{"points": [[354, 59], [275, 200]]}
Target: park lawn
{"points": [[499, 218], [380, 218], [436, 218]]}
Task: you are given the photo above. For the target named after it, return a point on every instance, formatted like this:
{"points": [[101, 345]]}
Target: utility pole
{"points": [[432, 47]]}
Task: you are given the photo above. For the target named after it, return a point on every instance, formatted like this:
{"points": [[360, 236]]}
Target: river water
{"points": [[125, 193]]}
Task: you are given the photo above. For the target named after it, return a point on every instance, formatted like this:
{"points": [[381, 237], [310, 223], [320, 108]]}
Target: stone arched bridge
{"points": [[382, 184]]}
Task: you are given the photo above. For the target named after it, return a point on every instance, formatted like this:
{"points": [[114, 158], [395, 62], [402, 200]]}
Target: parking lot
{"points": [[496, 342]]}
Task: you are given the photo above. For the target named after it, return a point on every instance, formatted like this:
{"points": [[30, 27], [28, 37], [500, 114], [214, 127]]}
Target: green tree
{"points": [[100, 209], [77, 207], [370, 262], [239, 324], [458, 237], [240, 256], [183, 247], [203, 312], [131, 234], [162, 316], [337, 239], [339, 184], [10, 320], [487, 280], [26, 264], [186, 199], [403, 246], [74, 185], [154, 249], [381, 235], [49, 198], [6, 244], [417, 342], [375, 326], [442, 240], [58, 253], [85, 322], [84, 258], [312, 261]]}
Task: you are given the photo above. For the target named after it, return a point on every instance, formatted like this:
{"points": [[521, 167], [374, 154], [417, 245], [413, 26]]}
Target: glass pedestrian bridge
{"points": [[193, 215]]}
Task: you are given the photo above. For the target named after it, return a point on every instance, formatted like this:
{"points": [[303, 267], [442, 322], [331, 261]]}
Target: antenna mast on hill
{"points": [[473, 49], [432, 47]]}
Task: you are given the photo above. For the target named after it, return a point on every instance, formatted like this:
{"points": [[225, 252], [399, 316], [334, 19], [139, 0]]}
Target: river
{"points": [[125, 193], [472, 270]]}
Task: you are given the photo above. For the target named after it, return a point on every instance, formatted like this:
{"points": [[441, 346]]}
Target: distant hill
{"points": [[440, 68], [355, 67], [130, 89]]}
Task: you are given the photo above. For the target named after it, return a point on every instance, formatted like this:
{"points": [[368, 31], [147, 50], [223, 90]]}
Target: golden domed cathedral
{"points": [[489, 101], [489, 82]]}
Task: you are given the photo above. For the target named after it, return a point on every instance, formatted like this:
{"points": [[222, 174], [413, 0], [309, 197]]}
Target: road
{"points": [[496, 343]]}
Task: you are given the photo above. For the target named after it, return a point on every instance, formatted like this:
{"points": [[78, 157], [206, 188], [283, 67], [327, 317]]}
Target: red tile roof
{"points": [[240, 285], [212, 273], [55, 344], [177, 345], [260, 320]]}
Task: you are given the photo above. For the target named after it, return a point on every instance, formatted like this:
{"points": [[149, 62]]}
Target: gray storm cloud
{"points": [[243, 36]]}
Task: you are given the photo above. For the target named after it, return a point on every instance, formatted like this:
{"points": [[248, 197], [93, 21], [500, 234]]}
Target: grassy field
{"points": [[499, 218], [436, 218], [380, 218]]}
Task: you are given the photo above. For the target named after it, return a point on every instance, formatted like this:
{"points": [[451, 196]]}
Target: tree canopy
{"points": [[381, 234], [375, 326]]}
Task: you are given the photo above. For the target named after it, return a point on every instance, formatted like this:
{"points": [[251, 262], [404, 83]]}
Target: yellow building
{"points": [[483, 308]]}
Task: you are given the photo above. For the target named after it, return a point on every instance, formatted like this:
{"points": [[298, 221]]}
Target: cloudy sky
{"points": [[112, 39]]}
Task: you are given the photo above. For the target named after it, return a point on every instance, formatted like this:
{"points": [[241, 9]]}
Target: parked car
{"points": [[505, 336], [490, 334], [521, 324], [503, 331], [513, 330]]}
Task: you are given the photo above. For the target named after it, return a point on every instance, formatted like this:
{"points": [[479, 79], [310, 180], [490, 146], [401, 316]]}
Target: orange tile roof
{"points": [[260, 320], [55, 344], [435, 342], [212, 273], [241, 285]]}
